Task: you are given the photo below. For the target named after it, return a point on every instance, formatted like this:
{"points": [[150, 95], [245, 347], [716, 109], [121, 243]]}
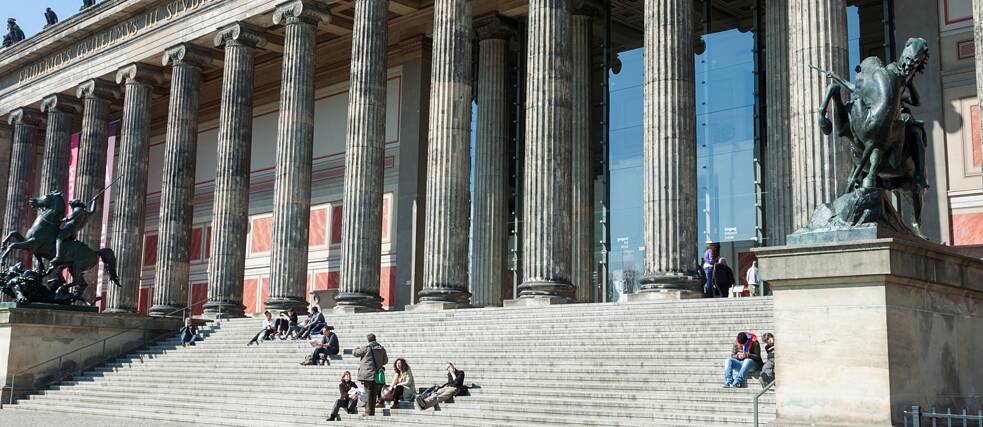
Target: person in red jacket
{"points": [[745, 358]]}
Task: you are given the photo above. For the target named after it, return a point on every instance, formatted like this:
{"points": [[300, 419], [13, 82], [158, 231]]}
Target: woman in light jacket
{"points": [[403, 385]]}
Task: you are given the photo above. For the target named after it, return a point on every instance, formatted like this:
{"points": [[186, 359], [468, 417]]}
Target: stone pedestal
{"points": [[871, 327], [30, 335]]}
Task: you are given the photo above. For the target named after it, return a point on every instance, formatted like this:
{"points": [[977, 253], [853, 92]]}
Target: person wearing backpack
{"points": [[744, 358], [371, 372]]}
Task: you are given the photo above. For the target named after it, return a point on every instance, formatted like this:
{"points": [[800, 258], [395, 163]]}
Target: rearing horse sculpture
{"points": [[887, 144], [40, 242]]}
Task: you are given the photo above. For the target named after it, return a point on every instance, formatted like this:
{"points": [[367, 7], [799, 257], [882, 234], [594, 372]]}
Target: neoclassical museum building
{"points": [[454, 153]]}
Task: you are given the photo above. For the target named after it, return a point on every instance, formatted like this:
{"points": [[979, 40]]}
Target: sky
{"points": [[30, 14]]}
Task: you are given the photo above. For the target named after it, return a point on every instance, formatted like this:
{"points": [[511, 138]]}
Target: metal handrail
{"points": [[758, 396], [60, 358]]}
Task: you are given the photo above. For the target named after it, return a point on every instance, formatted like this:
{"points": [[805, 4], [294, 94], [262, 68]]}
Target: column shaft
{"points": [[820, 163], [361, 243], [491, 164], [778, 197], [582, 206], [20, 184], [294, 148], [133, 160], [445, 251], [230, 212], [669, 164], [57, 143], [546, 231], [6, 141], [171, 278], [90, 172]]}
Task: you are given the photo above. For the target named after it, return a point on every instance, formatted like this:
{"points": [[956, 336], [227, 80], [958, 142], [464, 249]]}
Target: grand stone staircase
{"points": [[587, 364]]}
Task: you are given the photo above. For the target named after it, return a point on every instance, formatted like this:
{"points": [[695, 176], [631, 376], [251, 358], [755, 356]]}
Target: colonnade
{"points": [[556, 237]]}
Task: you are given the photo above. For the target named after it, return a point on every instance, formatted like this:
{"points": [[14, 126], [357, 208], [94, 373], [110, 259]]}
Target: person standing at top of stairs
{"points": [[372, 359]]}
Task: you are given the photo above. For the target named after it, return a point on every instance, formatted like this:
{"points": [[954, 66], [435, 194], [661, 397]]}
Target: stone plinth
{"points": [[871, 327], [30, 336]]}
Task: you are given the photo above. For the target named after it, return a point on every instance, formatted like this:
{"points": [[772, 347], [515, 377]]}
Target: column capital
{"points": [[587, 7], [139, 72], [241, 33], [59, 102], [494, 26], [26, 116], [98, 89], [187, 54], [307, 11]]}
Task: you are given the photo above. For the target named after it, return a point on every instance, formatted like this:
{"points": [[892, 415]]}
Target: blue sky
{"points": [[30, 14]]}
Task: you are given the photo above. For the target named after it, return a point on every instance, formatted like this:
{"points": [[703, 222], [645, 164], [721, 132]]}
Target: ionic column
{"points": [[132, 161], [778, 197], [294, 148], [17, 214], [230, 212], [491, 162], [57, 142], [445, 249], [90, 172], [178, 184], [6, 140], [669, 164], [817, 36], [546, 232], [365, 147], [582, 173], [978, 40]]}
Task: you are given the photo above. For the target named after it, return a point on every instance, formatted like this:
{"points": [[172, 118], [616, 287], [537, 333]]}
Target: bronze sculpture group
{"points": [[52, 239], [886, 142]]}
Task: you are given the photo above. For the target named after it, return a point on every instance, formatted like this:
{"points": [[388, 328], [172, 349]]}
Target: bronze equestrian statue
{"points": [[73, 255], [887, 144]]}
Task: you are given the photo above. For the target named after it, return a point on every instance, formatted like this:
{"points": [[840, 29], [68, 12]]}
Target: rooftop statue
{"points": [[87, 4], [14, 33], [48, 236], [49, 15], [887, 143]]}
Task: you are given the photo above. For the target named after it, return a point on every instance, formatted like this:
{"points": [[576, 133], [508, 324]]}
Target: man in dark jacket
{"points": [[327, 345], [315, 322], [372, 357], [723, 277], [745, 358], [453, 387]]}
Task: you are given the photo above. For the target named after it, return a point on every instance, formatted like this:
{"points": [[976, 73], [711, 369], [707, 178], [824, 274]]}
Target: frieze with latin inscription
{"points": [[135, 25]]}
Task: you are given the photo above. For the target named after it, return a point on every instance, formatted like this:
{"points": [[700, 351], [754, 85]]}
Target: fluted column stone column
{"points": [[778, 184], [17, 214], [491, 162], [546, 230], [582, 172], [978, 57], [61, 109], [820, 163], [171, 278], [445, 249], [365, 148], [230, 211], [294, 153], [132, 162], [6, 141], [669, 163], [91, 163]]}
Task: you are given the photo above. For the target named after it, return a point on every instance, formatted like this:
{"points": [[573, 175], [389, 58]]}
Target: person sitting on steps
{"points": [[315, 323], [325, 346], [453, 387], [404, 387], [189, 333], [745, 358], [264, 333], [768, 370], [348, 399]]}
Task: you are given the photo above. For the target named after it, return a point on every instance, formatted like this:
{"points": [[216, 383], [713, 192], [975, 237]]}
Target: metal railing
{"points": [[61, 375], [917, 415], [758, 397]]}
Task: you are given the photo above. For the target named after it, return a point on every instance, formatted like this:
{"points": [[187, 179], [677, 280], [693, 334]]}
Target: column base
{"points": [[436, 306], [225, 309], [121, 310], [166, 310], [536, 301], [356, 302], [550, 289], [663, 286], [447, 294], [299, 305]]}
